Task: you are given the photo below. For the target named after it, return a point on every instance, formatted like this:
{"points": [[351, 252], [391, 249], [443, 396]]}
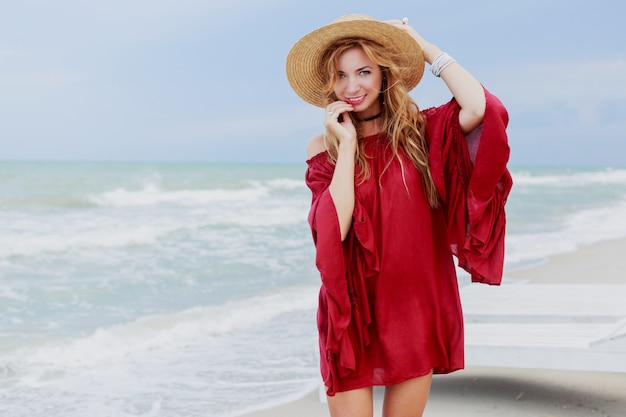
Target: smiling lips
{"points": [[354, 101]]}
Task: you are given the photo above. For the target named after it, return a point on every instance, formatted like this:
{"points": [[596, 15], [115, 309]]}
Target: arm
{"points": [[467, 91], [342, 184]]}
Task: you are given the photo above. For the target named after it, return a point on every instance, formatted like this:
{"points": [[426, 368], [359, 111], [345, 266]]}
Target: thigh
{"points": [[353, 403], [407, 399]]}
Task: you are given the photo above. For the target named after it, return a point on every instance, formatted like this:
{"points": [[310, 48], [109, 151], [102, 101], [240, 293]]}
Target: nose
{"points": [[353, 85]]}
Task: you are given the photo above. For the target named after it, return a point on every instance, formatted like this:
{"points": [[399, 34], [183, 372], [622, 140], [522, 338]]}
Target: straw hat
{"points": [[304, 61]]}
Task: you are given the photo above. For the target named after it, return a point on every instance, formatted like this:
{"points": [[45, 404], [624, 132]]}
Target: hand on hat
{"points": [[343, 130], [430, 51]]}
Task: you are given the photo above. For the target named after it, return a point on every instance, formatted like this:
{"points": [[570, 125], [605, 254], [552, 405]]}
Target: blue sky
{"points": [[205, 80]]}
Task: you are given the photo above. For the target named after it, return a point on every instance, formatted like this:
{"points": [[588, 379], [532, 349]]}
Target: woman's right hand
{"points": [[343, 130]]}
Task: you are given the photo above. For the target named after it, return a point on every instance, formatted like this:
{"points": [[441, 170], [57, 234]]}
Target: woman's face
{"points": [[359, 82]]}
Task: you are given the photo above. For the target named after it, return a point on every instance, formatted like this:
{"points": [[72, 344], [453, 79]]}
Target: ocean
{"points": [[189, 289]]}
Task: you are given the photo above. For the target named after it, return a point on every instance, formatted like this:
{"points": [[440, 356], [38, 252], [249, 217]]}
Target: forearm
{"points": [[467, 91], [342, 187]]}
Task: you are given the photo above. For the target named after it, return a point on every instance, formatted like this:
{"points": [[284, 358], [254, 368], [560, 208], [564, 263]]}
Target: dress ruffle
{"points": [[344, 313], [474, 185]]}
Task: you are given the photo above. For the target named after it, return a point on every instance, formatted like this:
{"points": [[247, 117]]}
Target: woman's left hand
{"points": [[430, 51]]}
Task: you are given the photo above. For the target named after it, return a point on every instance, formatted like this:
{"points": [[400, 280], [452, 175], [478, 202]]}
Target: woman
{"points": [[396, 192]]}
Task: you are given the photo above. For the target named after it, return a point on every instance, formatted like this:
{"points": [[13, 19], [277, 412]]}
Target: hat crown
{"points": [[352, 17]]}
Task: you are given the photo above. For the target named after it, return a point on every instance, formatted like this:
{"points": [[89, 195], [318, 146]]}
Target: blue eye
{"points": [[365, 72]]}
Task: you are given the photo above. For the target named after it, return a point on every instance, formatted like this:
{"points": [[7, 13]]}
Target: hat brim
{"points": [[304, 61]]}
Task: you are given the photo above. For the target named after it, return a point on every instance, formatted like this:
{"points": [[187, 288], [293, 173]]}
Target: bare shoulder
{"points": [[316, 145]]}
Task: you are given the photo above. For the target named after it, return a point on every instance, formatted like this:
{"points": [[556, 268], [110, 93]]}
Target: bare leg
{"points": [[354, 403], [407, 399]]}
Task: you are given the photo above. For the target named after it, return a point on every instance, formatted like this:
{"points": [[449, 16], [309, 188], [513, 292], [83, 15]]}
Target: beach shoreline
{"points": [[597, 263], [520, 392]]}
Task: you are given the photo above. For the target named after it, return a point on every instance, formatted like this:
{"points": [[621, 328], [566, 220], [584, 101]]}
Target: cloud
{"points": [[597, 80], [592, 80], [83, 25], [286, 120], [35, 83], [277, 121], [569, 92]]}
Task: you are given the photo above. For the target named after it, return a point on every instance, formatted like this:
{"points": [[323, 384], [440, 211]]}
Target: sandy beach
{"points": [[490, 391]]}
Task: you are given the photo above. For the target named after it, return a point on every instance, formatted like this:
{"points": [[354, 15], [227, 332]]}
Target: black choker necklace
{"points": [[367, 119]]}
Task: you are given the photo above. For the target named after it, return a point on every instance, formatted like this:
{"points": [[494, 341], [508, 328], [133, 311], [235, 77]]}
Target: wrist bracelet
{"points": [[440, 63]]}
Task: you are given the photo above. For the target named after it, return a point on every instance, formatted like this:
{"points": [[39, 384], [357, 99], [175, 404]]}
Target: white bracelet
{"points": [[440, 63]]}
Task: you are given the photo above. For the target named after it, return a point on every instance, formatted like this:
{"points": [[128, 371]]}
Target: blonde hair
{"points": [[401, 120]]}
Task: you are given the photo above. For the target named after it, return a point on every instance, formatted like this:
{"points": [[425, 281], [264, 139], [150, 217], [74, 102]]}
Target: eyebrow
{"points": [[358, 69]]}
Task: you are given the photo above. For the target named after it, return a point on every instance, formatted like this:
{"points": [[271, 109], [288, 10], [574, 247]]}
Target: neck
{"points": [[367, 119]]}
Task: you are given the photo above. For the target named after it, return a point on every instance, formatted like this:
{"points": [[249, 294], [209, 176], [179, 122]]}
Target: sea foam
{"points": [[605, 176], [167, 331], [151, 194]]}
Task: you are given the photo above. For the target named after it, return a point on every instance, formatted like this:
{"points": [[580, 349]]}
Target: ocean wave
{"points": [[152, 194], [163, 332], [71, 236], [8, 293], [222, 359], [606, 176], [286, 184], [575, 230], [69, 232]]}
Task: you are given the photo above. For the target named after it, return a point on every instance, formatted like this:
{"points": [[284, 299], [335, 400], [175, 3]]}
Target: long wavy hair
{"points": [[401, 120]]}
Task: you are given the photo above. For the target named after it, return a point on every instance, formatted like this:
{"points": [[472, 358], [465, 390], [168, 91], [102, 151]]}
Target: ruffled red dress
{"points": [[389, 307]]}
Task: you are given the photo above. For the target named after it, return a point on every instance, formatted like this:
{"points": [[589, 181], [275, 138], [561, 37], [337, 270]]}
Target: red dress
{"points": [[389, 307]]}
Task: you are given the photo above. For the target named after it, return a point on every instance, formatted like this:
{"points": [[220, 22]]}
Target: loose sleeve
{"points": [[473, 181], [343, 313]]}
